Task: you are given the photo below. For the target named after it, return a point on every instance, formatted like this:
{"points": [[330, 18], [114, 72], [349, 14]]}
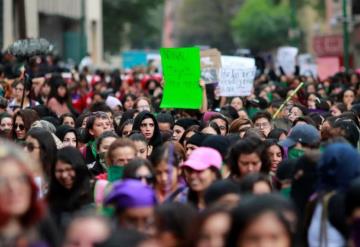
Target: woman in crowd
{"points": [[6, 125], [237, 103], [337, 109], [21, 208], [21, 98], [67, 135], [166, 161], [296, 111], [68, 119], [348, 98], [96, 124], [119, 154], [87, 229], [255, 183], [189, 133], [181, 125], [229, 159], [259, 221], [126, 128], [245, 157], [59, 99], [274, 153], [278, 134], [41, 145], [142, 104], [22, 121], [201, 169], [211, 227], [328, 206], [146, 123], [102, 146], [140, 169], [129, 101], [69, 188], [172, 223], [210, 128], [143, 150]]}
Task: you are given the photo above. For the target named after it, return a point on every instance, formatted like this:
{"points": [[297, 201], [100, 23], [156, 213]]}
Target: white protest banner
{"points": [[210, 65], [154, 59], [236, 76], [307, 65], [286, 58]]}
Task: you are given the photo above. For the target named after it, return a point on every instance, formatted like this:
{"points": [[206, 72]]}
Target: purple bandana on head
{"points": [[131, 193]]}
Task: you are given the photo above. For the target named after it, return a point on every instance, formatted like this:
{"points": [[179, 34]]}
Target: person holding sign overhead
{"points": [[181, 70]]}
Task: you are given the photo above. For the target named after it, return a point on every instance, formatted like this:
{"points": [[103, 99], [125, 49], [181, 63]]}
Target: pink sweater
{"points": [[58, 108]]}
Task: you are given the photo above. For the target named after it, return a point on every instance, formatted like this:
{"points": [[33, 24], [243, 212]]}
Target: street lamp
{"points": [[294, 33], [345, 36]]}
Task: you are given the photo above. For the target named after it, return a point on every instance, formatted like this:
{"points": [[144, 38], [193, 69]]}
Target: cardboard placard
{"points": [[210, 65], [237, 76], [286, 58]]}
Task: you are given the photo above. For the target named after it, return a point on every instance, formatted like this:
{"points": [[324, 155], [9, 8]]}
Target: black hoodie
{"points": [[156, 139]]}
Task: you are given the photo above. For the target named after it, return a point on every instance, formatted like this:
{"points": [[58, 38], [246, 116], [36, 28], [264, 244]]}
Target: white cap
{"points": [[113, 102]]}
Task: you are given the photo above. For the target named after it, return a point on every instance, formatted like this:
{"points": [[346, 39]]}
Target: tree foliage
{"points": [[261, 25], [204, 22], [120, 16]]}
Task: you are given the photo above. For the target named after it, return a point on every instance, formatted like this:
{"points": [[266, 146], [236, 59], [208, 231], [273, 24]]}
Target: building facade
{"points": [[323, 31], [73, 26]]}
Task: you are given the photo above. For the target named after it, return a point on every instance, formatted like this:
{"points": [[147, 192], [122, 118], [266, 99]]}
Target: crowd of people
{"points": [[88, 158]]}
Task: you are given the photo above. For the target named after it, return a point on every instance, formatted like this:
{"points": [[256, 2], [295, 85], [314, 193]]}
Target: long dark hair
{"points": [[56, 82], [248, 182], [248, 145], [266, 166], [134, 165], [197, 225], [48, 148], [60, 198], [252, 208], [156, 139], [193, 197], [62, 130], [28, 116]]}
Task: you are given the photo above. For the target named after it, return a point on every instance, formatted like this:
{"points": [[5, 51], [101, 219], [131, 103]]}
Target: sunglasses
{"points": [[30, 146], [20, 126], [149, 178]]}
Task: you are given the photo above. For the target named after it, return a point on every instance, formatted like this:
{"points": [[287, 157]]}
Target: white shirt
{"points": [[334, 238]]}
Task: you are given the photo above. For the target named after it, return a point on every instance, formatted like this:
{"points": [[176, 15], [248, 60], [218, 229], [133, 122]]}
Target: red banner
{"points": [[328, 45]]}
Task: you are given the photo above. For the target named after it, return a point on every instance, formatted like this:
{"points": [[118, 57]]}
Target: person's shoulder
{"points": [[180, 195], [12, 102], [52, 101]]}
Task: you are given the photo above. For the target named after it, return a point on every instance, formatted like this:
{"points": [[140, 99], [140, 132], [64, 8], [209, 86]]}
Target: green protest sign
{"points": [[181, 71]]}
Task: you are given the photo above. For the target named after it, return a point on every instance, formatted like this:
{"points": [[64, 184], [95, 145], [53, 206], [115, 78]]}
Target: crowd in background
{"points": [[88, 158]]}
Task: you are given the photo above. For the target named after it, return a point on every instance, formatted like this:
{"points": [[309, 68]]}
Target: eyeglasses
{"points": [[20, 126], [148, 178], [30, 146]]}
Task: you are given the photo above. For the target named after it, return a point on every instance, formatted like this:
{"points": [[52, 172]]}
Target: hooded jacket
{"points": [[156, 139]]}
